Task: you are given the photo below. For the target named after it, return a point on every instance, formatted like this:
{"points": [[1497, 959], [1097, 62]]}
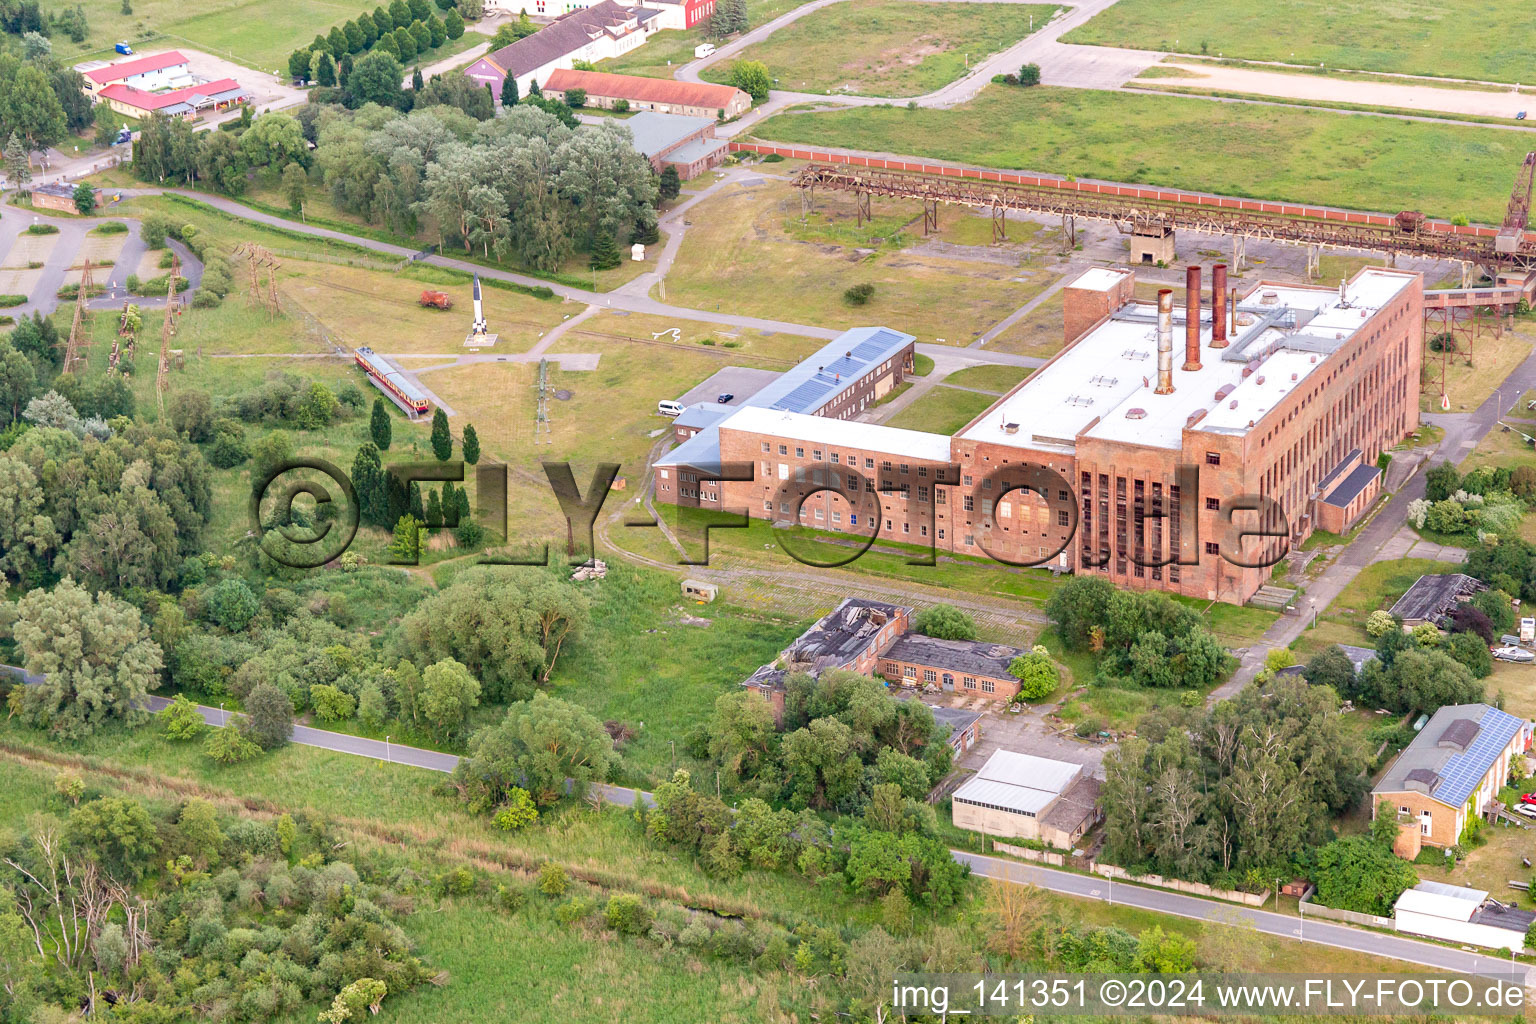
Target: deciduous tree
{"points": [[538, 746], [95, 656]]}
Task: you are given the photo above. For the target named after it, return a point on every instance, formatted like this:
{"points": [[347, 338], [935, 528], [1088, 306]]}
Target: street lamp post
{"points": [[223, 718], [1314, 611], [386, 750]]}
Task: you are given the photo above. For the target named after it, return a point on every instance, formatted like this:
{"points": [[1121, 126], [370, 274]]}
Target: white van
{"points": [[703, 50], [667, 407]]}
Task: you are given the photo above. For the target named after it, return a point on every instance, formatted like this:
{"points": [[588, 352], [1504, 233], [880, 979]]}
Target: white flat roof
{"points": [[1459, 904], [1100, 279], [835, 433], [1103, 385], [1019, 782]]}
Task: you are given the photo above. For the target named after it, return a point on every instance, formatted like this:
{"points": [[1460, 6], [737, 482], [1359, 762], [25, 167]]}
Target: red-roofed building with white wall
{"points": [[150, 73], [189, 101]]}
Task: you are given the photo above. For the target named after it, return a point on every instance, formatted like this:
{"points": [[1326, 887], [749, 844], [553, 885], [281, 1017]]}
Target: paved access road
{"points": [[1463, 431], [393, 753], [1324, 933], [1064, 882]]}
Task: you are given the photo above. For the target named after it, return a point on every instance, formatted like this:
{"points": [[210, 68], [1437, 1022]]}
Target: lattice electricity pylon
{"points": [[541, 410], [75, 346], [162, 380], [272, 309]]}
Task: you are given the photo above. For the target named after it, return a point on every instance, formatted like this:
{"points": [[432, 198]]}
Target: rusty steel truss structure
{"points": [[1453, 318], [1406, 234]]}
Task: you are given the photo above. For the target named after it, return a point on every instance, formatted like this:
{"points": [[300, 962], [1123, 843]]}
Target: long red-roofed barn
{"points": [[663, 95]]}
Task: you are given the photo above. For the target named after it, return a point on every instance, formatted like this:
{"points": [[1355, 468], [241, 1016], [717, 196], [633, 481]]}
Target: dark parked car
{"points": [[725, 397]]}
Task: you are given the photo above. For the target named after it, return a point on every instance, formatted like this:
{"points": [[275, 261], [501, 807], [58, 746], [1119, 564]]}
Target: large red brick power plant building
{"points": [[1139, 452]]}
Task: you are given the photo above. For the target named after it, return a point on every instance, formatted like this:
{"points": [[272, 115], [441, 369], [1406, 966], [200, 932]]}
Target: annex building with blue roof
{"points": [[1450, 773], [834, 384]]}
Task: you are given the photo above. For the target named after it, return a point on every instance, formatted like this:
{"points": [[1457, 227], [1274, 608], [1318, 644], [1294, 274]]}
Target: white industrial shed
{"points": [[1021, 796], [1458, 914]]}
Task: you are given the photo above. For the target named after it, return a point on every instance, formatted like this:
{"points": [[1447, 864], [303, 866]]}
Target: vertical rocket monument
{"points": [[479, 335]]}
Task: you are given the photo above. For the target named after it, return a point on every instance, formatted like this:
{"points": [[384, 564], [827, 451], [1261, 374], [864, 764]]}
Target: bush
{"points": [[511, 897], [1036, 673], [180, 719], [945, 622], [42, 229], [552, 879], [1029, 74], [455, 882], [111, 227], [859, 294], [626, 914], [1380, 624], [7, 301], [572, 910], [153, 230], [331, 704], [518, 812]]}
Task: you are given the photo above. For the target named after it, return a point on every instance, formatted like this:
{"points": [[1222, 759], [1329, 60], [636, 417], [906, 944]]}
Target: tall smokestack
{"points": [[1164, 342], [1192, 318], [1219, 306]]}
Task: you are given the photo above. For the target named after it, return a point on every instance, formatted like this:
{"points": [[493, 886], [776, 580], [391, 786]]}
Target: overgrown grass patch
{"points": [[1232, 149]]}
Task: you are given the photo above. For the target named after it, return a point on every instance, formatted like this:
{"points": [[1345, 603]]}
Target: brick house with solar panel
{"points": [[1449, 774]]}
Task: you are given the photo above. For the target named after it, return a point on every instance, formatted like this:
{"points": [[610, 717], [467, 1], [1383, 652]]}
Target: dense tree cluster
{"points": [[401, 31], [41, 100], [1234, 793], [506, 625], [166, 915], [535, 749], [892, 849], [1144, 637], [95, 655], [116, 513], [522, 187], [844, 735]]}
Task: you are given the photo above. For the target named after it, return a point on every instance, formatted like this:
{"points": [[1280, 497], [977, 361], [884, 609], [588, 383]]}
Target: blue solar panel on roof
{"points": [[1461, 773], [806, 396], [874, 347]]}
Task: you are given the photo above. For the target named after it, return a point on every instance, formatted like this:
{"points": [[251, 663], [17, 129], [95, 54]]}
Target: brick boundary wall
{"points": [[1112, 189]]}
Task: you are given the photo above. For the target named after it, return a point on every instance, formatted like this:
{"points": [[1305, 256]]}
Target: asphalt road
{"points": [[1324, 933], [1065, 882]]}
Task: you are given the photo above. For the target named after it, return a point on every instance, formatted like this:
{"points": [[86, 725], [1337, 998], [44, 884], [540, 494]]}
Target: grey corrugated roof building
{"points": [[973, 656], [1431, 598]]}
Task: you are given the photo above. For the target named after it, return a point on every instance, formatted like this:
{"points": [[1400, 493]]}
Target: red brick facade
{"points": [[1113, 503]]}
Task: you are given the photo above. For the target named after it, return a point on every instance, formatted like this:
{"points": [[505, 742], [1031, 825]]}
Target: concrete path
{"points": [[65, 254], [1409, 94], [1378, 540], [1029, 307], [1325, 933]]}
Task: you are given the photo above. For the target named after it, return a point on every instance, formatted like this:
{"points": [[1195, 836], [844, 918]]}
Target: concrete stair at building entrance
{"points": [[1272, 597]]}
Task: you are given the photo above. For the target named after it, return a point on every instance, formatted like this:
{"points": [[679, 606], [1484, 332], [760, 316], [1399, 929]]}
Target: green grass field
{"points": [[661, 54], [742, 237], [1411, 36], [887, 47], [1354, 161], [942, 410], [257, 33], [989, 377]]}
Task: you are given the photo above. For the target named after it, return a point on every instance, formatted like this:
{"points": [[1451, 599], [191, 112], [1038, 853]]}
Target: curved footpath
{"points": [[630, 297], [1440, 958]]}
